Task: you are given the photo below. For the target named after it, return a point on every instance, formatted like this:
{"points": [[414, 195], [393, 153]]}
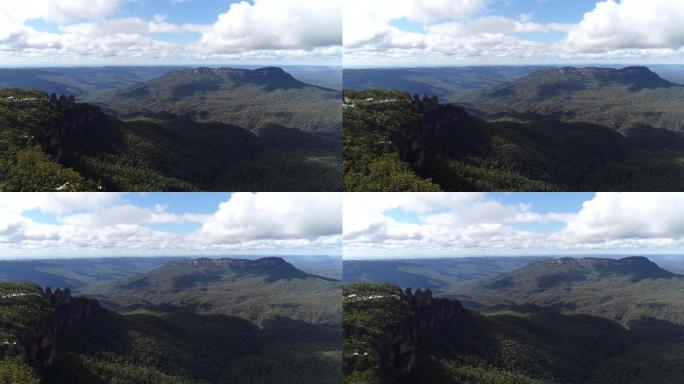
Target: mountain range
{"points": [[397, 142], [50, 143], [252, 99], [256, 290], [50, 336], [395, 336], [624, 290], [620, 99], [441, 275]]}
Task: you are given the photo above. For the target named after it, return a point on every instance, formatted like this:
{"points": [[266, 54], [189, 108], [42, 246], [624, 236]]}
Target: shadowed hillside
{"points": [[251, 99], [396, 142], [49, 143], [395, 336], [256, 290]]}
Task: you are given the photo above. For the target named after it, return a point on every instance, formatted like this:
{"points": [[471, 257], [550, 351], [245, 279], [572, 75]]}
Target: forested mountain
{"points": [[81, 82], [252, 99], [395, 336], [624, 290], [52, 337], [50, 143], [77, 274], [443, 82], [395, 142], [256, 290], [620, 99], [442, 275]]}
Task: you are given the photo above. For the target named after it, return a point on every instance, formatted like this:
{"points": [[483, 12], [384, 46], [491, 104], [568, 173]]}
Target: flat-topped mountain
{"points": [[623, 290], [621, 99], [253, 289], [249, 98], [270, 77], [637, 267]]}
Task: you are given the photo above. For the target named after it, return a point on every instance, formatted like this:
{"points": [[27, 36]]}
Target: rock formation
{"points": [[39, 340]]}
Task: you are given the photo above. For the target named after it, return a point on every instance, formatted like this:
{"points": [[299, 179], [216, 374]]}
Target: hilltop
{"points": [[252, 99], [256, 290], [624, 290], [620, 99]]}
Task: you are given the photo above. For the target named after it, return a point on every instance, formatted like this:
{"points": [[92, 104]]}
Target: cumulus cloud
{"points": [[277, 216], [629, 24], [276, 24], [93, 32], [468, 32], [475, 224], [93, 224]]}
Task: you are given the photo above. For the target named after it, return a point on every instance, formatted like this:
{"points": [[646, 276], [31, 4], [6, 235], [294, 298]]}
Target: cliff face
{"points": [[444, 128], [71, 120], [396, 347], [39, 340]]}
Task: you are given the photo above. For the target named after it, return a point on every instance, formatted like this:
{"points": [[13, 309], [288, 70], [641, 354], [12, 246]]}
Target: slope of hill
{"points": [[77, 274], [443, 82], [49, 144], [442, 276], [395, 142], [392, 336], [81, 82], [54, 338], [620, 99], [249, 98], [256, 290], [624, 290]]}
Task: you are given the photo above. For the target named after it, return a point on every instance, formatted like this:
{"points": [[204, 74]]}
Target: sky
{"points": [[495, 32], [173, 32], [54, 225], [414, 225]]}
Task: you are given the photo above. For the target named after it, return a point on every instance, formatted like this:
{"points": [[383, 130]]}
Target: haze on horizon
{"points": [[388, 33], [433, 225]]}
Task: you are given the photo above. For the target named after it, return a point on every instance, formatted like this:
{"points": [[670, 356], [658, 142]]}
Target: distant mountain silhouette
{"points": [[625, 290], [245, 97], [621, 99], [253, 289]]}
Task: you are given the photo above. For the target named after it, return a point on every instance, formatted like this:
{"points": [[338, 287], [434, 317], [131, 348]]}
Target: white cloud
{"points": [[629, 24], [453, 32], [108, 224], [90, 32], [636, 216], [275, 216], [276, 24], [475, 224]]}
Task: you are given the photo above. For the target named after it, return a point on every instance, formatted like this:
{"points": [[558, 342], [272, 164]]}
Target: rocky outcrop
{"points": [[39, 340], [443, 128], [396, 347], [71, 118]]}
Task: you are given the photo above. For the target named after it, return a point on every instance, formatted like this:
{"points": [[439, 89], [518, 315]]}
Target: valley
{"points": [[260, 321], [564, 129], [561, 320], [184, 130]]}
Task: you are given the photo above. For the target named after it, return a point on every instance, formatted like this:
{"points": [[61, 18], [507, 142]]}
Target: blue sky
{"points": [[149, 32], [147, 224], [385, 225], [491, 32]]}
